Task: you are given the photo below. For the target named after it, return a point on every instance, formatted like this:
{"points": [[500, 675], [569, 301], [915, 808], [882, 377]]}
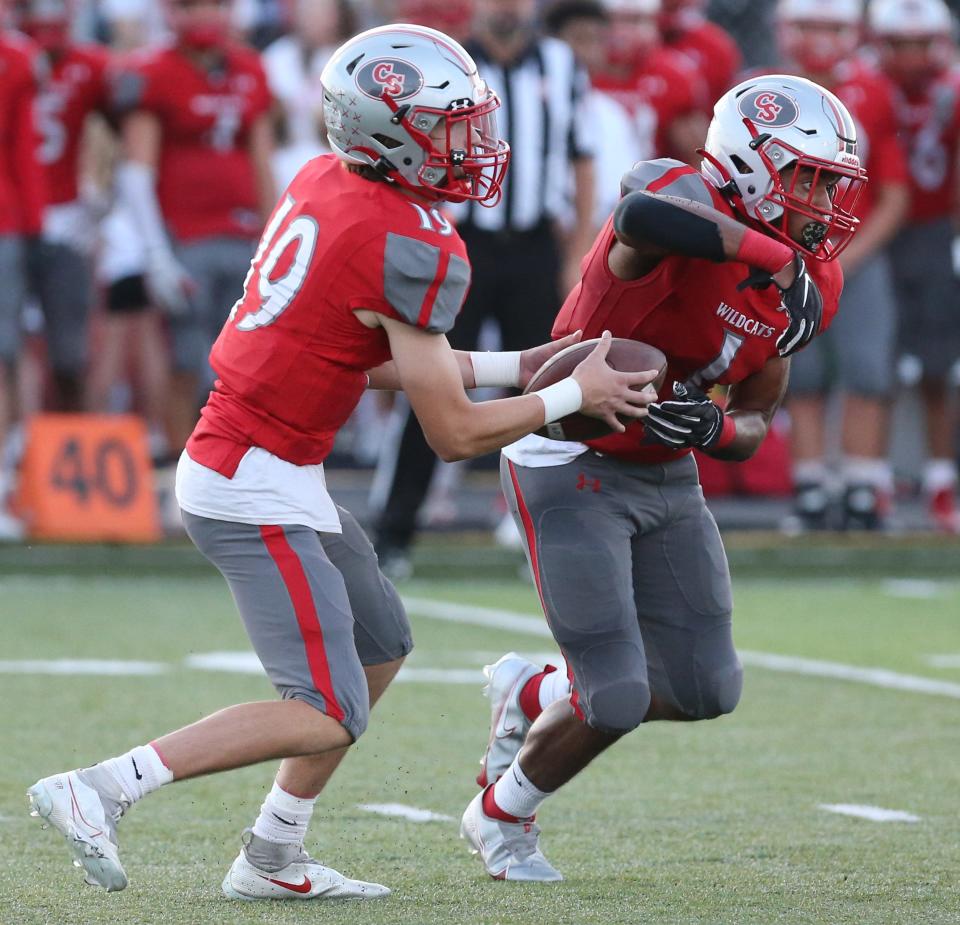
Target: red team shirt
{"points": [[291, 361], [929, 126], [869, 96], [689, 308], [206, 183], [77, 86], [714, 53], [666, 84], [21, 177]]}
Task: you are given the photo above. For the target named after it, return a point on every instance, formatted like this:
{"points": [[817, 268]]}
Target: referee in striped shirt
{"points": [[521, 258]]}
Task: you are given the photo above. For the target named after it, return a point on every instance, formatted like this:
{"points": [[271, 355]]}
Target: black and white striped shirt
{"points": [[544, 117]]}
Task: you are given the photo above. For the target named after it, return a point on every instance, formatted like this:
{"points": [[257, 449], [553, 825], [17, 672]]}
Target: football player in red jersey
{"points": [[197, 179], [819, 40], [661, 89], [60, 262], [685, 29], [914, 40], [21, 216], [355, 280], [729, 271]]}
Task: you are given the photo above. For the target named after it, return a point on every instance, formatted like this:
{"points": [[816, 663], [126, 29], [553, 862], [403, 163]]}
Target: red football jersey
{"points": [[77, 86], [689, 308], [292, 358], [869, 96], [929, 129], [666, 83], [206, 183], [714, 53], [22, 192]]}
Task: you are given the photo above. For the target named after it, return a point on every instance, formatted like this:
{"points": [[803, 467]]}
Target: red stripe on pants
{"points": [[527, 522], [295, 580]]}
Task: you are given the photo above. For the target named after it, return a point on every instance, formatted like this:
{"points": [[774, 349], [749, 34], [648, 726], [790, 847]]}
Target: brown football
{"points": [[625, 355]]}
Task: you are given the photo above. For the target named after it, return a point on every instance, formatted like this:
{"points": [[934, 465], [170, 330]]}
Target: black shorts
{"points": [[128, 296]]}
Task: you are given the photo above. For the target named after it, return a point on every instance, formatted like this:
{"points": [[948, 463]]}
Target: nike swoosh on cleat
{"points": [[304, 887]]}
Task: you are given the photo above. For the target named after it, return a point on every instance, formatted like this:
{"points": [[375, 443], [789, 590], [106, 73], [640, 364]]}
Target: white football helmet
{"points": [[849, 12], [770, 123], [818, 35], [387, 89], [908, 18]]}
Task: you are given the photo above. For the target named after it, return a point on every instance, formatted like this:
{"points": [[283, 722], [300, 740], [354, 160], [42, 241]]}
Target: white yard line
{"points": [[81, 666], [873, 813], [410, 813], [943, 661], [914, 588], [536, 626]]}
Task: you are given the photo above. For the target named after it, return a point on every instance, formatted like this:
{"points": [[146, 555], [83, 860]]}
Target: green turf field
{"points": [[709, 823]]}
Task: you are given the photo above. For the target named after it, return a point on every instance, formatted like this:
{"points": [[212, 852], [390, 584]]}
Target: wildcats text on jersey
{"points": [[740, 322]]}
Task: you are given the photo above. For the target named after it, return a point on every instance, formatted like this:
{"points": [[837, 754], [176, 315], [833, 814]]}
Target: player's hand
{"points": [[804, 307], [690, 420], [531, 360], [168, 283], [608, 393]]}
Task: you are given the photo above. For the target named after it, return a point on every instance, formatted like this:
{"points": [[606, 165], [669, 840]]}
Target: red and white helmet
{"points": [[635, 31], [819, 34], [770, 123], [914, 38], [199, 24], [387, 89]]}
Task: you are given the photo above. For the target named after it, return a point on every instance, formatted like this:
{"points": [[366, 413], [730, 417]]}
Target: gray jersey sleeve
{"points": [[685, 184], [425, 284]]}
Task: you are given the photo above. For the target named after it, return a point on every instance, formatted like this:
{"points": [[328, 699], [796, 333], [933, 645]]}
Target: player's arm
{"points": [[260, 146], [136, 179], [692, 420], [457, 428], [483, 369]]}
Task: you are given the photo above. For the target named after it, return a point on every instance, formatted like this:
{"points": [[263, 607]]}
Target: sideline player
{"points": [[917, 50], [357, 274], [21, 218], [197, 180], [729, 272], [60, 262], [819, 40]]}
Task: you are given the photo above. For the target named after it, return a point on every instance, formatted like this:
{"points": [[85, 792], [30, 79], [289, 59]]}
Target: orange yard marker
{"points": [[88, 477]]}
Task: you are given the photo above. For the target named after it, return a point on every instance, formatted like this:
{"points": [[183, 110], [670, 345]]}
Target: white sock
{"points": [[868, 470], [283, 817], [138, 772], [939, 474], [514, 793], [555, 686]]}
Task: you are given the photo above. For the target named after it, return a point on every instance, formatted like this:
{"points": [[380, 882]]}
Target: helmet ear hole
{"points": [[741, 165], [386, 141]]}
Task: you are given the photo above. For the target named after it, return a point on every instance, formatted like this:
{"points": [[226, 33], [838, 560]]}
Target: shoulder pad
{"points": [[668, 176], [425, 284]]}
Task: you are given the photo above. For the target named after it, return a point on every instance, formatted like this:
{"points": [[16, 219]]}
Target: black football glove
{"points": [[801, 301], [691, 420]]}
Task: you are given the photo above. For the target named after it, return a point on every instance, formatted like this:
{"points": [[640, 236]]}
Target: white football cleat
{"points": [[508, 723], [87, 821], [508, 850], [298, 876]]}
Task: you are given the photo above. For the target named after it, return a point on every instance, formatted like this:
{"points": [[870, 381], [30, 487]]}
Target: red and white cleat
{"points": [[293, 874]]}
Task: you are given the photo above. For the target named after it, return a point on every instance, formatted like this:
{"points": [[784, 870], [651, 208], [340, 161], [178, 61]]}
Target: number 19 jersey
{"points": [[291, 360]]}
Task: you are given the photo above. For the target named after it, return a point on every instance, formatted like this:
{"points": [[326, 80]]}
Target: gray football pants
{"points": [[315, 605], [634, 583]]}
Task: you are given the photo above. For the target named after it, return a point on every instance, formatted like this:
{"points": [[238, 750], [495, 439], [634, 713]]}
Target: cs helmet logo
{"points": [[769, 108], [391, 76]]}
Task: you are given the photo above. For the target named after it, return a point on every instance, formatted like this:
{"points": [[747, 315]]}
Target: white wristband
{"points": [[560, 399], [496, 369]]}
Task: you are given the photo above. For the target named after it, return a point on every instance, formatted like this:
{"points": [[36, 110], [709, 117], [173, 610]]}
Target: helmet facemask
{"points": [[468, 161], [827, 232]]}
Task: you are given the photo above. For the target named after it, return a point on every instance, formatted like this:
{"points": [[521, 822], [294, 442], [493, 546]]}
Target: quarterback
{"points": [[729, 271], [356, 279]]}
